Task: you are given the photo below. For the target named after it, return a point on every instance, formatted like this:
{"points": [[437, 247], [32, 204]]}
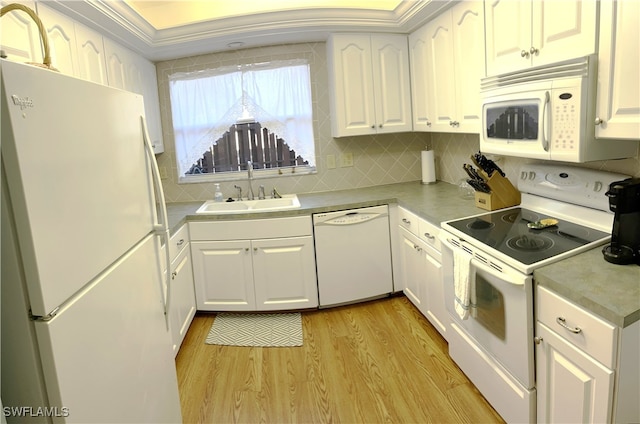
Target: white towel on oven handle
{"points": [[463, 283]]}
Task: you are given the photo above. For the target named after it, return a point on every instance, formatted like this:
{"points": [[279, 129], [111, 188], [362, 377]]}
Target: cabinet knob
{"points": [[180, 243], [173, 275], [246, 249], [533, 51], [373, 127], [599, 121], [380, 126], [538, 340], [406, 221], [428, 123], [255, 249], [524, 53]]}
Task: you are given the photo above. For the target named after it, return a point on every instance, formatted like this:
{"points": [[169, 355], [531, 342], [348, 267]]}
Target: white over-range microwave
{"points": [[547, 112]]}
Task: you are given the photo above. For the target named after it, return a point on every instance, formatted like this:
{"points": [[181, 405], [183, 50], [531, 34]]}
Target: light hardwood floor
{"points": [[374, 362]]}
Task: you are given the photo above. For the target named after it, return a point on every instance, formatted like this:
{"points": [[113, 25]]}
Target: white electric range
{"points": [[495, 254]]}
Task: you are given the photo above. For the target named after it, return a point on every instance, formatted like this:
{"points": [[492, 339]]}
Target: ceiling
{"points": [[169, 14], [162, 30]]}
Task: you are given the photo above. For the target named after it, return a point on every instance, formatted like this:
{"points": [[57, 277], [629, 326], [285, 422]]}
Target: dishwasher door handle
{"points": [[351, 218]]}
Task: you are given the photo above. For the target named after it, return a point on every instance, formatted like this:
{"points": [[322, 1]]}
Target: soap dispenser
{"points": [[217, 197]]}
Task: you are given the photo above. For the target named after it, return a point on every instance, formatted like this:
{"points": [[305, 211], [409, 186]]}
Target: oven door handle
{"points": [[505, 274]]}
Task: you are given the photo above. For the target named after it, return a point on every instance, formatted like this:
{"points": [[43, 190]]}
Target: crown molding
{"points": [[117, 20]]}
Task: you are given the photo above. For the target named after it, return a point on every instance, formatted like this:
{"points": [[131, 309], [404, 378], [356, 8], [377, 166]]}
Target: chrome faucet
{"points": [[239, 192], [250, 177]]}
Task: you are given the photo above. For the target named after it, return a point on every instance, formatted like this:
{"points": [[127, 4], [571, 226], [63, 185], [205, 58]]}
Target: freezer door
{"points": [[107, 356], [77, 175]]}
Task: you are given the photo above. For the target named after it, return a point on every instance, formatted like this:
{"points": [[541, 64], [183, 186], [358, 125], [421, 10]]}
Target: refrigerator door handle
{"points": [[161, 228]]}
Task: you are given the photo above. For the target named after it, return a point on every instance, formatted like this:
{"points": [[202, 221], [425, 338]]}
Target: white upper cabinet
{"points": [[61, 34], [619, 70], [91, 57], [129, 71], [369, 84], [520, 34], [19, 36], [447, 63]]}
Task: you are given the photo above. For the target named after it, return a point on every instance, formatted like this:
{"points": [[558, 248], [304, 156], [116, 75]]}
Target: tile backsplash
{"points": [[377, 160], [453, 150]]}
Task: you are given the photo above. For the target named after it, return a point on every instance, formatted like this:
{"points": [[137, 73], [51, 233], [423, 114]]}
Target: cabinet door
{"points": [[618, 70], [563, 30], [572, 386], [413, 267], [440, 77], [420, 67], [91, 57], [436, 310], [62, 40], [19, 36], [508, 35], [223, 275], [183, 302], [391, 82], [144, 78], [117, 59], [469, 57], [351, 85], [284, 273]]}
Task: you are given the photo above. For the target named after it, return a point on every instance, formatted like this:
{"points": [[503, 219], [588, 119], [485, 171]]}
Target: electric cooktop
{"points": [[506, 231]]}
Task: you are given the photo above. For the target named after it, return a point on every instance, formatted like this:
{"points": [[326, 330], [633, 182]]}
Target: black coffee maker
{"points": [[624, 201]]}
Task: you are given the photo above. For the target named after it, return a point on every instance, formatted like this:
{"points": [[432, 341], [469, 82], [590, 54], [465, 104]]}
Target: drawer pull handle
{"points": [[563, 323], [429, 236], [180, 243], [406, 221]]}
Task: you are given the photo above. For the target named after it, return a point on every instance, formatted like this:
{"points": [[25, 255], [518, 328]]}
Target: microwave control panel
{"points": [[565, 119]]}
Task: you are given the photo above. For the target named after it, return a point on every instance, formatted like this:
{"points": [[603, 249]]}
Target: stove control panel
{"points": [[580, 186]]}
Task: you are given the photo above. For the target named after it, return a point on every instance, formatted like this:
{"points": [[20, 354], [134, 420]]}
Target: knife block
{"points": [[503, 193]]}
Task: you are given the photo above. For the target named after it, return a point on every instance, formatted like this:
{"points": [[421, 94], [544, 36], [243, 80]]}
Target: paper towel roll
{"points": [[428, 167]]}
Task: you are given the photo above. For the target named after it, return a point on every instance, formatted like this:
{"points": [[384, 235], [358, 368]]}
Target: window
{"points": [[226, 117]]}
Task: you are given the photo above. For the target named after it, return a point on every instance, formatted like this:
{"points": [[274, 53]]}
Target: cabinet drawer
{"points": [[409, 221], [429, 234], [591, 334], [178, 241], [251, 229]]}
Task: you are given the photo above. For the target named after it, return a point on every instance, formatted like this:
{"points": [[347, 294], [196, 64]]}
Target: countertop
{"points": [[609, 291]]}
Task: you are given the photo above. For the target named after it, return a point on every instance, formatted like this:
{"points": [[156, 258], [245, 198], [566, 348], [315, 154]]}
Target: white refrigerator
{"points": [[84, 334]]}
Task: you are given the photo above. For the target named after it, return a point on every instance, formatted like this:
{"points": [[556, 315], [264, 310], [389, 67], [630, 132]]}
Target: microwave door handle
{"points": [[545, 119]]}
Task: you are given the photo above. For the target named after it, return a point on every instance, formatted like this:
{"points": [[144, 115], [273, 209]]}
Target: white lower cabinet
{"points": [[182, 304], [576, 356], [250, 268], [572, 386], [421, 268]]}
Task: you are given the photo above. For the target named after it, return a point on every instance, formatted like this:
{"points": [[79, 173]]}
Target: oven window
{"points": [[511, 121], [489, 308]]}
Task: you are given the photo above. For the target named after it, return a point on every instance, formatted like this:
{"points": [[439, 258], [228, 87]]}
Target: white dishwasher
{"points": [[353, 255]]}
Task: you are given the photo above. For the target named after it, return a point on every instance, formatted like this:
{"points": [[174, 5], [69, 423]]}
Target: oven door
{"points": [[515, 120], [500, 321]]}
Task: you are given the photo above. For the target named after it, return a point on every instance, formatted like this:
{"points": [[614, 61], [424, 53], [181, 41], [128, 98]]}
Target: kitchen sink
{"points": [[288, 201]]}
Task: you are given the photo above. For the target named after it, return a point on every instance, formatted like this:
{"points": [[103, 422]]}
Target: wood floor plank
{"points": [[375, 362]]}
